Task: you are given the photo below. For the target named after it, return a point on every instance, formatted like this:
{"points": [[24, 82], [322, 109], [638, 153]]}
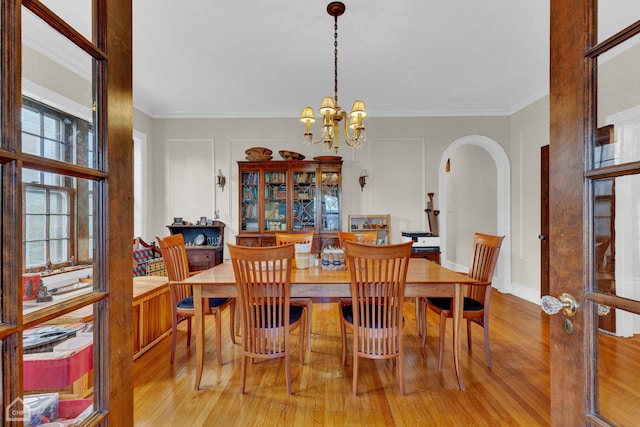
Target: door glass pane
{"points": [[275, 201], [58, 369], [619, 374], [249, 221], [58, 100], [330, 201], [613, 16], [304, 206], [618, 137], [616, 216], [76, 13], [58, 240]]}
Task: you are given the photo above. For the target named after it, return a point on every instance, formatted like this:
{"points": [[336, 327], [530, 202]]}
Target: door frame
{"points": [[569, 124]]}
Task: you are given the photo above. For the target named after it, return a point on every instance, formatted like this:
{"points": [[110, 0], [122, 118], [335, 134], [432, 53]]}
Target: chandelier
{"points": [[330, 110]]}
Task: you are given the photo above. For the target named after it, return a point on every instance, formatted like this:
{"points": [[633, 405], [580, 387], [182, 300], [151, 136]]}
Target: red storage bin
{"points": [[57, 372]]}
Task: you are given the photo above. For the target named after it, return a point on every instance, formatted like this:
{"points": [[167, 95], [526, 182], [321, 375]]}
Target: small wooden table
{"points": [[424, 278]]}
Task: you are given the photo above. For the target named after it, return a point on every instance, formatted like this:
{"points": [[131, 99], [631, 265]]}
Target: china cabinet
{"points": [[289, 196]]}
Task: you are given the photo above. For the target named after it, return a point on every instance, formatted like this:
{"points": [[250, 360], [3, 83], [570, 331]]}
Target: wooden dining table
{"points": [[424, 279]]}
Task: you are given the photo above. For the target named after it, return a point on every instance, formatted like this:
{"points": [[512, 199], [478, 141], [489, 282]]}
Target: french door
{"points": [[66, 209], [594, 236]]}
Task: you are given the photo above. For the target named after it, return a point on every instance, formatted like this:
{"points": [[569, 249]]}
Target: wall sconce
{"points": [[222, 180], [363, 179]]}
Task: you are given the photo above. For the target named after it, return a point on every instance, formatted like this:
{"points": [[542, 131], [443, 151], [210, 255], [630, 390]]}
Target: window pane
{"points": [[35, 227], [76, 13], [53, 237], [58, 202], [57, 85], [59, 251], [35, 254], [58, 366], [35, 199], [31, 121], [618, 138], [617, 384], [59, 227]]}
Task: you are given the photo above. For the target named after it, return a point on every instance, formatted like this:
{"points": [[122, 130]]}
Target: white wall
{"points": [[402, 156], [529, 131]]}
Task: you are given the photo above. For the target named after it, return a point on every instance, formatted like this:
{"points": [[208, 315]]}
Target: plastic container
{"points": [[41, 408]]}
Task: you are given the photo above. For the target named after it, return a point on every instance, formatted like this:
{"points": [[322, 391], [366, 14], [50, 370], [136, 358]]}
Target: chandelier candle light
{"points": [[329, 109]]}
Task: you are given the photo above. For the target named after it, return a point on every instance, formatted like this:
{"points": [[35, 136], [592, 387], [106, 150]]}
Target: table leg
{"points": [[199, 330], [458, 301]]}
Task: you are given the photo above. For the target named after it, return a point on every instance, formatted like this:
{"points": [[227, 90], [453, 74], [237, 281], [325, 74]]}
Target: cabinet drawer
{"points": [[200, 259], [248, 241]]}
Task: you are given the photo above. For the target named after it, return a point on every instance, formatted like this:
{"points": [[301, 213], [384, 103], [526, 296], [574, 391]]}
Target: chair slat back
{"points": [[263, 281], [284, 238], [174, 254], [368, 237], [378, 278], [486, 249]]}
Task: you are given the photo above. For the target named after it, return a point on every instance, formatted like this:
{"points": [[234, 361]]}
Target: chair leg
{"points": [[486, 344], [469, 334], [189, 332], [243, 371], [401, 371], [443, 322], [174, 332], [232, 317], [238, 322], [419, 323], [355, 366], [287, 365], [301, 334], [343, 335], [423, 312], [309, 318]]}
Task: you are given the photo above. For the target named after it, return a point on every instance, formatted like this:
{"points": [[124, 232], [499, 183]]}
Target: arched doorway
{"points": [[503, 202]]}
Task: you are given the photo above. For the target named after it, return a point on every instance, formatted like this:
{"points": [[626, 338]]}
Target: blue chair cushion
{"points": [[444, 303], [347, 313], [295, 313], [187, 303]]}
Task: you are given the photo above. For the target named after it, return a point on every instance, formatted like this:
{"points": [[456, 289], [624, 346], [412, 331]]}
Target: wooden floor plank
{"points": [[514, 392]]}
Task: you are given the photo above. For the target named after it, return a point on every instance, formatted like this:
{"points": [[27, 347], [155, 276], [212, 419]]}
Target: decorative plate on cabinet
{"points": [[258, 153], [327, 158], [290, 155], [199, 239]]}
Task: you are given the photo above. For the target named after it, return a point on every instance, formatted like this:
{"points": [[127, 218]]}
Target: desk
{"points": [[424, 278]]}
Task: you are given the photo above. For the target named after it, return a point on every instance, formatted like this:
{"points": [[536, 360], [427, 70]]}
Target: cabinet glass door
{"points": [[330, 196], [304, 202], [249, 206], [275, 201]]}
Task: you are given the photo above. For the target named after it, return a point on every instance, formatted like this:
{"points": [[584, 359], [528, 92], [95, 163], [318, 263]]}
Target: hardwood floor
{"points": [[515, 392]]}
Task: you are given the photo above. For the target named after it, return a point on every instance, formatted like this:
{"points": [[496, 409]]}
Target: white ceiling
{"points": [[251, 58]]}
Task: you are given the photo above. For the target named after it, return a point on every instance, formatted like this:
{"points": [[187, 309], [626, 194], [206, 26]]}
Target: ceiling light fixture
{"points": [[329, 109]]}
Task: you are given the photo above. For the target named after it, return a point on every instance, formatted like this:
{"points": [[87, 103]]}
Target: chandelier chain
{"points": [[335, 60]]}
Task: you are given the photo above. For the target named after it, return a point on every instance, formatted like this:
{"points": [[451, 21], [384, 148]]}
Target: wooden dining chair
{"points": [[263, 281], [476, 301], [282, 239], [366, 237], [374, 315], [182, 305]]}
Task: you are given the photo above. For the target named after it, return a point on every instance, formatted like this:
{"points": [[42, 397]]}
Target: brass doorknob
{"points": [[565, 303]]}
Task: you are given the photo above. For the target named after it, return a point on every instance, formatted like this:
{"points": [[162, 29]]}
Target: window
{"points": [[49, 198]]}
